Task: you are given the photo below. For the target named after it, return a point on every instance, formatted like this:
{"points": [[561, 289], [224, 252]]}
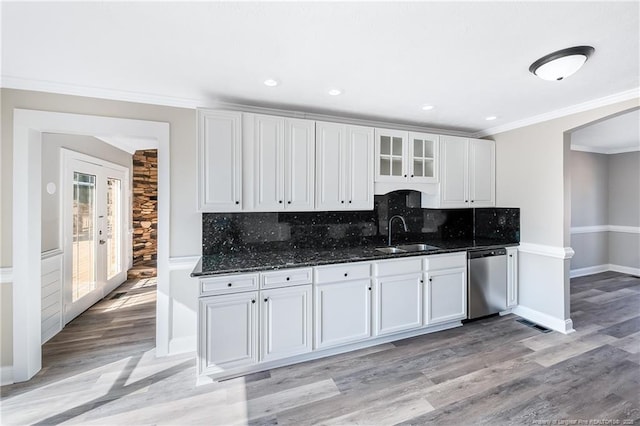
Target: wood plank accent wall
{"points": [[144, 204]]}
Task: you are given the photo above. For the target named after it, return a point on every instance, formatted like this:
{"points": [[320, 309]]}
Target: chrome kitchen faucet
{"points": [[403, 223]]}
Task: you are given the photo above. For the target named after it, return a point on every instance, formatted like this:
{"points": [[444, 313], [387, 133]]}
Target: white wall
{"points": [[533, 173]]}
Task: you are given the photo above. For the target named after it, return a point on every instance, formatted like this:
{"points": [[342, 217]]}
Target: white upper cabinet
{"points": [[255, 162], [406, 156], [391, 150], [455, 172], [344, 167], [423, 157], [467, 174], [219, 161], [279, 163], [482, 173]]}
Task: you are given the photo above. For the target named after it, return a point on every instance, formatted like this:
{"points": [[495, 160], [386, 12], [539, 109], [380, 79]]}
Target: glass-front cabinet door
{"points": [[406, 156], [423, 149], [391, 152]]}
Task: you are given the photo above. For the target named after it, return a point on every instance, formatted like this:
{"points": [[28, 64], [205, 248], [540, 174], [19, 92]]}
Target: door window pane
{"points": [[114, 227], [83, 278]]}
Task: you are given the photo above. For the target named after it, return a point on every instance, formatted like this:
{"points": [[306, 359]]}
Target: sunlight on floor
{"points": [[129, 301]]}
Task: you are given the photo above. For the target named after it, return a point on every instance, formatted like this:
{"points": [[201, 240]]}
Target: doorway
{"points": [[95, 223], [28, 128]]}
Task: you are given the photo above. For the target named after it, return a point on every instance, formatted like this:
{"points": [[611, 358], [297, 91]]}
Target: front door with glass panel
{"points": [[95, 230]]}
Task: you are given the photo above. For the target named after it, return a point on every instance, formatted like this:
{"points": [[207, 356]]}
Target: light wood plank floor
{"points": [[101, 369]]}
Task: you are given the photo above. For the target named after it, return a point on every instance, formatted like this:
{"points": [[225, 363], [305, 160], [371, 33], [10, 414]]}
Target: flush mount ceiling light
{"points": [[491, 118], [427, 107], [335, 92], [271, 82], [561, 64]]}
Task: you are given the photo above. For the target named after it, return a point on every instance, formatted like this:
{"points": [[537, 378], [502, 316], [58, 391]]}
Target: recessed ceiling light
{"points": [[427, 107], [335, 92], [271, 82], [562, 63], [491, 118]]}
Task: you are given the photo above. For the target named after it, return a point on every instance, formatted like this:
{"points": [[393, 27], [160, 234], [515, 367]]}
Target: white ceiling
{"points": [[618, 134], [470, 59]]}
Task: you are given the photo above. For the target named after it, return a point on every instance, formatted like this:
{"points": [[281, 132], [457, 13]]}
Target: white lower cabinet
{"points": [[512, 277], [285, 322], [445, 297], [397, 303], [296, 312], [342, 312], [228, 332]]}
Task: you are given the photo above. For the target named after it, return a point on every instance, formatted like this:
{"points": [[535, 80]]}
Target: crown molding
{"points": [[10, 82], [597, 150], [19, 83], [229, 106], [562, 112]]}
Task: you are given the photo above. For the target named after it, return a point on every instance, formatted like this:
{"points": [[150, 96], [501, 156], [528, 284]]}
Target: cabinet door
{"points": [[390, 156], [482, 173], [269, 158], [512, 277], [455, 171], [219, 161], [446, 295], [423, 157], [227, 328], [397, 303], [342, 312], [300, 164], [359, 168], [285, 322], [330, 147]]}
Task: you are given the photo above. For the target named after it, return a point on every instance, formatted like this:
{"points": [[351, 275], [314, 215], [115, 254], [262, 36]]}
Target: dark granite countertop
{"points": [[248, 261]]}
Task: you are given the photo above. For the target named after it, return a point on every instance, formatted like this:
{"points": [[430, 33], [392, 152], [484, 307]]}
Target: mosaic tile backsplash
{"points": [[241, 232]]}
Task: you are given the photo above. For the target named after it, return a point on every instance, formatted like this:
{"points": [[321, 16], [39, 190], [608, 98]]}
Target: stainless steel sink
{"points": [[390, 250], [406, 248], [417, 247]]}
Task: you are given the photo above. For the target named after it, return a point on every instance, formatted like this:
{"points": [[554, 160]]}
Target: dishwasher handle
{"points": [[477, 254]]}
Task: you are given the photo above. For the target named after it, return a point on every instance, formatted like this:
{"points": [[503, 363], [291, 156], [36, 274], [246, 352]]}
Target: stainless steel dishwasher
{"points": [[487, 284]]}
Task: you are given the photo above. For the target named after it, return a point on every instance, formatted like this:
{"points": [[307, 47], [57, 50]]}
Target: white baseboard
{"points": [[589, 270], [6, 375], [182, 345], [605, 228], [546, 320], [625, 269], [581, 272]]}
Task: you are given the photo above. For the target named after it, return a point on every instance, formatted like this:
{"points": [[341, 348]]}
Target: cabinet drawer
{"points": [[285, 278], [444, 261], [228, 284], [343, 272], [398, 266]]}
